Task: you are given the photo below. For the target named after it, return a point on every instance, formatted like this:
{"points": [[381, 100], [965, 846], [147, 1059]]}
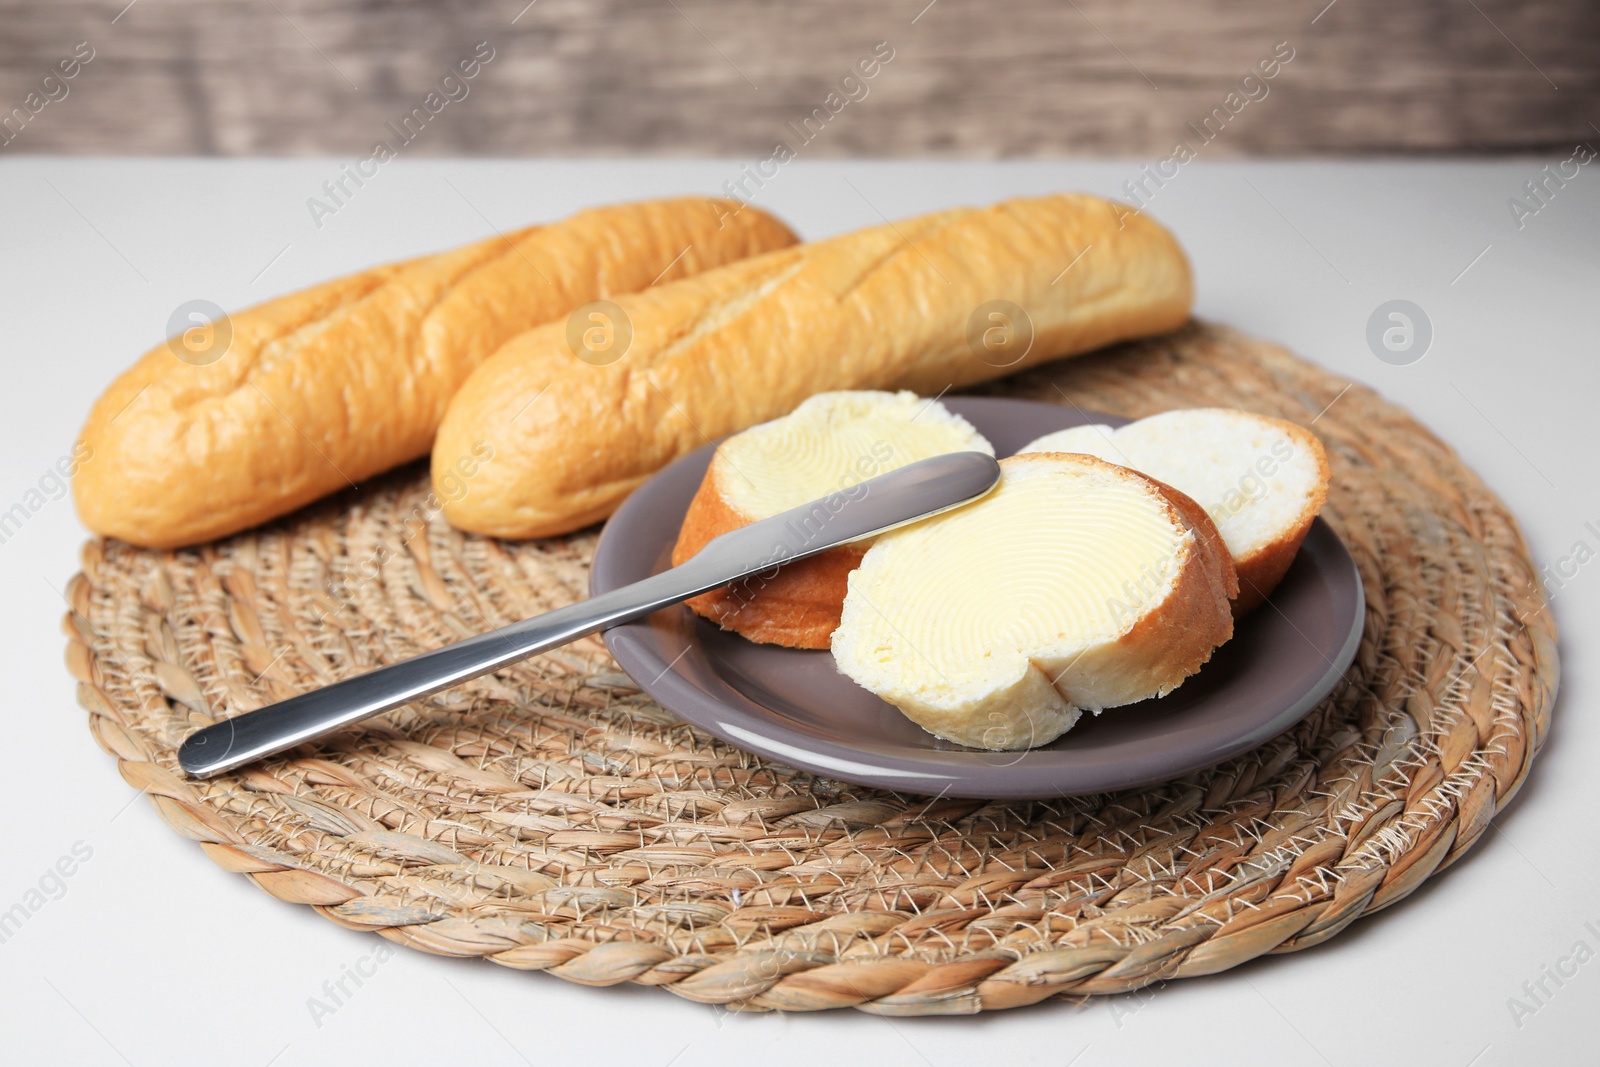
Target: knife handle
{"points": [[265, 731]]}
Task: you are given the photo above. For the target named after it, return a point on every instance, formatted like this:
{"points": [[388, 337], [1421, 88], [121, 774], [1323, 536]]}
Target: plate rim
{"points": [[675, 692]]}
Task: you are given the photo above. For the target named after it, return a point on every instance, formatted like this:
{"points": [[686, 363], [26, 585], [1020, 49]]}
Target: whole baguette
{"points": [[890, 307], [327, 386]]}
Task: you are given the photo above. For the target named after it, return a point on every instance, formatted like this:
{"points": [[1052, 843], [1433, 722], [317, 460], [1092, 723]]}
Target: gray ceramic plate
{"points": [[794, 707]]}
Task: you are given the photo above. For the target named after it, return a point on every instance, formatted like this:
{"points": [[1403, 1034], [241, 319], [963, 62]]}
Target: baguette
{"points": [[1075, 585], [828, 444], [324, 387], [891, 307], [1262, 480]]}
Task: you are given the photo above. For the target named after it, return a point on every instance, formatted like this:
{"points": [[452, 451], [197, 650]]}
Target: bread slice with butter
{"points": [[829, 444], [1262, 480], [1075, 585]]}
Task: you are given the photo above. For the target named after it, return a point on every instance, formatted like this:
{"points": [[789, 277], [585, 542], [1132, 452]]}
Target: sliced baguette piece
{"points": [[1262, 480], [324, 387], [829, 444], [1075, 585], [910, 305]]}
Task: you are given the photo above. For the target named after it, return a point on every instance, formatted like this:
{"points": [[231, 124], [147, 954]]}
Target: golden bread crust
{"points": [[1176, 637], [1217, 562], [1262, 570], [322, 388], [888, 307]]}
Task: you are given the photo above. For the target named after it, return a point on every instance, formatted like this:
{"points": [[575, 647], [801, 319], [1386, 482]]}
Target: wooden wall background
{"points": [[975, 78]]}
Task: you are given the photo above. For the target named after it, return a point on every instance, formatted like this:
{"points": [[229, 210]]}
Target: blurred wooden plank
{"points": [[1009, 78]]}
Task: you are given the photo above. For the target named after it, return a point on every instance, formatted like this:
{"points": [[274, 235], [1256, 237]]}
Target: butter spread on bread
{"points": [[830, 444], [324, 387], [1075, 585], [1262, 480], [910, 305]]}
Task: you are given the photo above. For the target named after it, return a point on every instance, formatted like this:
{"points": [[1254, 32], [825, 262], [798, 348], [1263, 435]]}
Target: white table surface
{"points": [[150, 954]]}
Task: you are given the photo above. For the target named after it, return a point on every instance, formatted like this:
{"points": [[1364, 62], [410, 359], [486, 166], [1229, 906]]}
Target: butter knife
{"points": [[912, 492]]}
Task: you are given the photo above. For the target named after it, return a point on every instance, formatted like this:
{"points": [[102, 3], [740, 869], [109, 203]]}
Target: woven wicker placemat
{"points": [[552, 818]]}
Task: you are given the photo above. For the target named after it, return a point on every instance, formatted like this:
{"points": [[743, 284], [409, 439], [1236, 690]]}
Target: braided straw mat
{"points": [[552, 818]]}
